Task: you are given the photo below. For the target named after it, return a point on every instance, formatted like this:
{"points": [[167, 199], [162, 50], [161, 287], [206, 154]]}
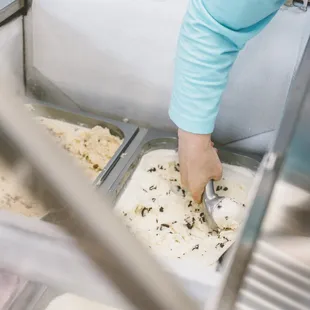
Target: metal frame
{"points": [[275, 166]]}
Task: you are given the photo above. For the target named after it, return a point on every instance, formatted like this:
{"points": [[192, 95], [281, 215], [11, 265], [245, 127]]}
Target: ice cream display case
{"points": [[239, 171]]}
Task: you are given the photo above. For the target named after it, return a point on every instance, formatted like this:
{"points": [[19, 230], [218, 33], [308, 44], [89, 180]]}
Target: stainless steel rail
{"points": [[287, 162]]}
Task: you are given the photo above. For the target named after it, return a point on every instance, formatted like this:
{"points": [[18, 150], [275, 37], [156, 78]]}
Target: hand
{"points": [[199, 162]]}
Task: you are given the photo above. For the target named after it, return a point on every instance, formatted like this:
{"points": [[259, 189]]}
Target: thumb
{"points": [[217, 177]]}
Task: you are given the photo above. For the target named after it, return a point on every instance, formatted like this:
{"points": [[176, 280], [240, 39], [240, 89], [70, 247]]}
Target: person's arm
{"points": [[212, 34]]}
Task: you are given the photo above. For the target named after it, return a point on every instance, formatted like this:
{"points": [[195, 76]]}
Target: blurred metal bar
{"points": [[42, 253], [288, 160], [11, 8], [29, 242], [49, 173]]}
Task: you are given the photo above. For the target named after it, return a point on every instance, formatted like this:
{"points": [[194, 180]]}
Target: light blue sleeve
{"points": [[212, 34]]}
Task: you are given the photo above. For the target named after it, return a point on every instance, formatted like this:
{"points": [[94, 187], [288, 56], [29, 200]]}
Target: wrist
{"points": [[206, 138]]}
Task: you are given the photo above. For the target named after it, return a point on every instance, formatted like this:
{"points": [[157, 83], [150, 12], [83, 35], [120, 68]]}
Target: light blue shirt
{"points": [[212, 34]]}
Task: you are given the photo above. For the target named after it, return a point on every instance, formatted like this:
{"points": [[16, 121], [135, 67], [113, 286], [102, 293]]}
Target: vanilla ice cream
{"points": [[92, 148], [165, 218]]}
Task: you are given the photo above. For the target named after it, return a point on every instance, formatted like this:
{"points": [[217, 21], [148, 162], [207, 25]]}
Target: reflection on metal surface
{"points": [[115, 252], [8, 288], [292, 166]]}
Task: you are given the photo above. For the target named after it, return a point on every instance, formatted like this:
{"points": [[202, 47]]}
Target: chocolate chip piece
{"points": [[202, 218], [225, 189], [220, 244], [190, 204], [164, 226], [161, 209], [95, 166], [196, 247], [144, 210], [219, 206], [190, 225]]}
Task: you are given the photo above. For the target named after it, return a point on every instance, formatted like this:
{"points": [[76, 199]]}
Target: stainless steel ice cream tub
{"points": [[149, 140], [124, 131]]}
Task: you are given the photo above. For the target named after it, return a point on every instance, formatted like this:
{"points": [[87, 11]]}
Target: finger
{"points": [[219, 174], [184, 181], [197, 193], [184, 176], [217, 177], [197, 197]]}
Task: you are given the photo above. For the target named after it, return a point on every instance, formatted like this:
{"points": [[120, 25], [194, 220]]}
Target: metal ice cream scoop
{"points": [[211, 200]]}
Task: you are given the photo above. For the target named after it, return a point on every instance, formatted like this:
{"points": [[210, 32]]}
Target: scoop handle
{"points": [[210, 199], [209, 191]]}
